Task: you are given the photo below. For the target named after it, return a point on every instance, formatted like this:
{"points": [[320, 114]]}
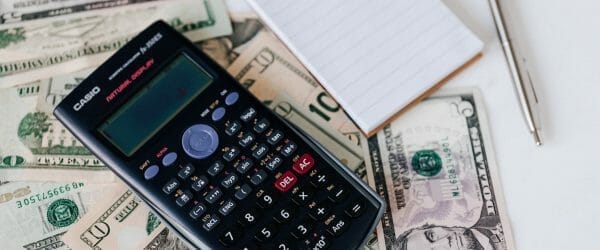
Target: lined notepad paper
{"points": [[374, 57]]}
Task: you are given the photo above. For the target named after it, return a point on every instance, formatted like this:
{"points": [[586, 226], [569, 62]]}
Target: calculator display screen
{"points": [[155, 104]]}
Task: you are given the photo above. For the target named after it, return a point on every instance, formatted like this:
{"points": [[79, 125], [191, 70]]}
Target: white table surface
{"points": [[550, 191]]}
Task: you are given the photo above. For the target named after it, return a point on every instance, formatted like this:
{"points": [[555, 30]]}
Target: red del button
{"points": [[304, 163], [286, 181]]}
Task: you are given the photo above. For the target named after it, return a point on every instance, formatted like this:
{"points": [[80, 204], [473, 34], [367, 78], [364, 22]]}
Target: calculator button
{"points": [[230, 237], [338, 194], [150, 172], [318, 211], [170, 186], [169, 159], [261, 126], [289, 149], [286, 181], [200, 141], [244, 166], [231, 98], [218, 113], [211, 222], [319, 179], [184, 198], [227, 207], [200, 183], [246, 139], [213, 195], [302, 196], [304, 164], [301, 230], [274, 162], [258, 177], [319, 241], [265, 233], [283, 244], [260, 151], [284, 215], [248, 217], [355, 209], [231, 153], [232, 128], [186, 171], [248, 114], [275, 137], [197, 211], [215, 168], [267, 200], [229, 180], [337, 226], [249, 246], [243, 192]]}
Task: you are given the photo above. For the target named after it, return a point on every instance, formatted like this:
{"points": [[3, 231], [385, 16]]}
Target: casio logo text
{"points": [[86, 98]]}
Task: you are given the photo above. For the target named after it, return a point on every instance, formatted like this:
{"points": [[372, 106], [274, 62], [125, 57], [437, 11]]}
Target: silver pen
{"points": [[520, 76]]}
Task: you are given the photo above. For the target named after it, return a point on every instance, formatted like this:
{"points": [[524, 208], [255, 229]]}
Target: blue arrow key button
{"points": [[150, 172], [200, 141], [169, 159], [231, 98]]}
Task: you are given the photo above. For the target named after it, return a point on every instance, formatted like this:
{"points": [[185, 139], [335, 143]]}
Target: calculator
{"points": [[220, 168]]}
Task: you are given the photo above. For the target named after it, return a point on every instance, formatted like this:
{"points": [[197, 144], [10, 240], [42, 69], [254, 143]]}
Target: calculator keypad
{"points": [[250, 182]]}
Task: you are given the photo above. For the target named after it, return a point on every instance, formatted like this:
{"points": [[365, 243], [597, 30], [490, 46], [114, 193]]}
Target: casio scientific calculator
{"points": [[220, 168]]}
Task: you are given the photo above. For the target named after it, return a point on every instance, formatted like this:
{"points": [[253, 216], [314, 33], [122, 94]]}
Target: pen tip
{"points": [[537, 138]]}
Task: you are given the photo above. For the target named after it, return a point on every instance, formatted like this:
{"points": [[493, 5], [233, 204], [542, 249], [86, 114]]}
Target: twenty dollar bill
{"points": [[435, 169]]}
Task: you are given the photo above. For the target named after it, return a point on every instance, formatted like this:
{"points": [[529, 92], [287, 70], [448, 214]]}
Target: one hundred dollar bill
{"points": [[19, 11], [267, 68], [35, 50], [434, 166], [33, 143], [120, 221], [36, 215]]}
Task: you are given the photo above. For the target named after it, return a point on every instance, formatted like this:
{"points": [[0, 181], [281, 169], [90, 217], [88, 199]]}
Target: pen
{"points": [[523, 85]]}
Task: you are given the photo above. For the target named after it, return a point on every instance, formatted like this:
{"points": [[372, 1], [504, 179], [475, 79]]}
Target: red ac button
{"points": [[303, 164], [286, 181]]}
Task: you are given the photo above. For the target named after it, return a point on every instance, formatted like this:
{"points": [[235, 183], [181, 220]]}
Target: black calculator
{"points": [[221, 169]]}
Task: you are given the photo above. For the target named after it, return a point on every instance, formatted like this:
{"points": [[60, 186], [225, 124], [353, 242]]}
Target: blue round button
{"points": [[231, 98], [218, 113], [200, 141], [151, 172], [169, 159]]}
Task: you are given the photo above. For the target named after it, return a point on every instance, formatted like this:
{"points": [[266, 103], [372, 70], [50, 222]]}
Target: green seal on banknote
{"points": [[152, 223], [62, 212], [426, 163]]}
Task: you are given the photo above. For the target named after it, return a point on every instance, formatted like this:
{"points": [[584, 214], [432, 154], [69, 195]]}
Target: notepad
{"points": [[374, 57]]}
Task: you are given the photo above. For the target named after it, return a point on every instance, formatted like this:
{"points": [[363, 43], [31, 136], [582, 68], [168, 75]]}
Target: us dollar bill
{"points": [[34, 50], [435, 168], [225, 49], [34, 145], [349, 154], [163, 239], [267, 69], [36, 215], [18, 11], [120, 221]]}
